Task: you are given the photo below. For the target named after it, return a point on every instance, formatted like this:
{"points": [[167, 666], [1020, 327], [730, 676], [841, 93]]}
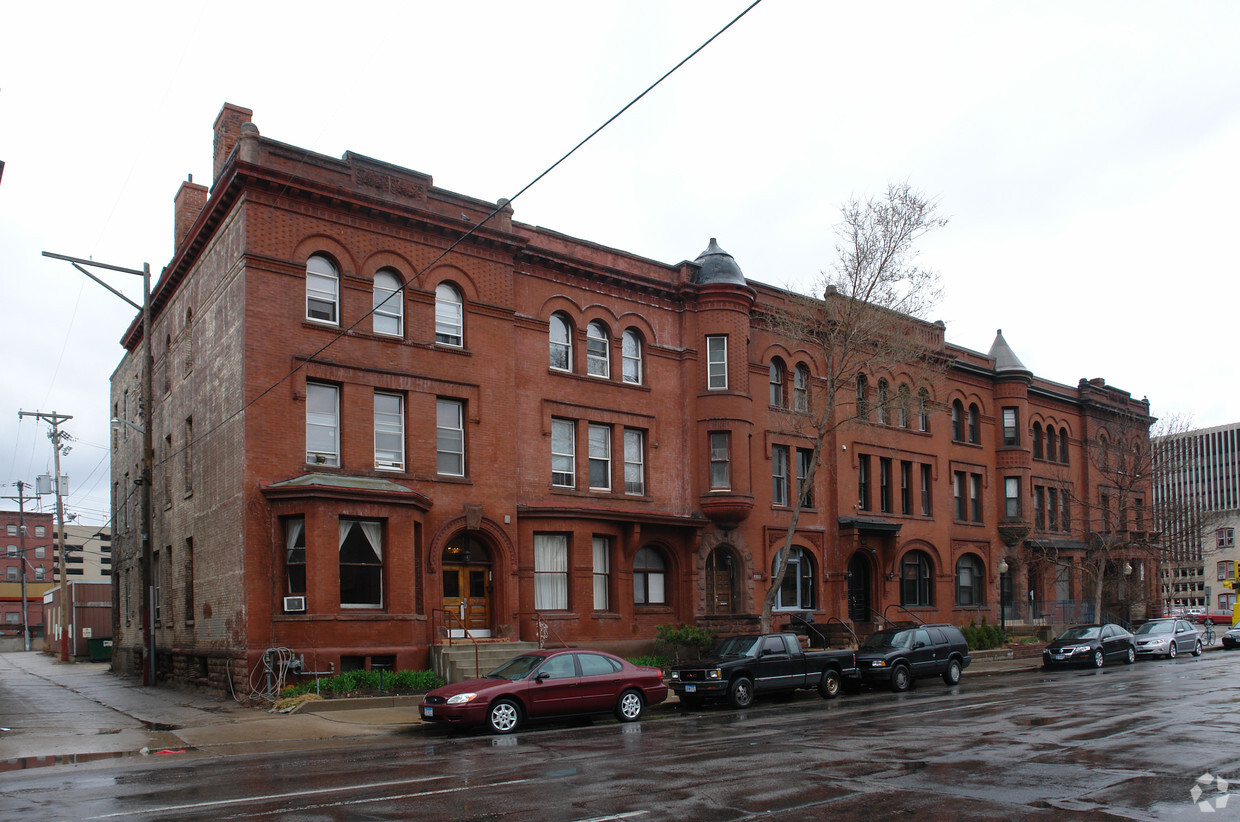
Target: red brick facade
{"points": [[253, 468]]}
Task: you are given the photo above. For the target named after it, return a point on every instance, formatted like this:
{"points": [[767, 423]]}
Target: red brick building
{"points": [[38, 547], [531, 424]]}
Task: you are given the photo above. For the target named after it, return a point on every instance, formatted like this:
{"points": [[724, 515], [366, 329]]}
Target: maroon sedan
{"points": [[541, 684], [1217, 617]]}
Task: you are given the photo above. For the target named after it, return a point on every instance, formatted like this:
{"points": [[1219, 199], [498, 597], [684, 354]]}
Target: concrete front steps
{"points": [[456, 663]]}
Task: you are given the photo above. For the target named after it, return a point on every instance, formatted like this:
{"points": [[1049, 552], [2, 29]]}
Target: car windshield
{"points": [[1157, 628], [887, 639], [1081, 632], [516, 668], [736, 646]]}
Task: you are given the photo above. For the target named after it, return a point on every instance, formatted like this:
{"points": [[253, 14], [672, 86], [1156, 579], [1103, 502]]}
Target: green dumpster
{"points": [[100, 649]]}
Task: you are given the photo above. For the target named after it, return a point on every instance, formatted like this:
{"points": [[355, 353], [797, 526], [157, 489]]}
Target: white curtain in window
{"points": [[293, 533], [345, 525], [551, 572], [374, 533], [602, 568]]}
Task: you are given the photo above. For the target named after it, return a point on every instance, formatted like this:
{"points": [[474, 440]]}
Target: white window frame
{"points": [[449, 435], [634, 462], [322, 425], [551, 572], [720, 461], [598, 351], [779, 474], [322, 290], [559, 323], [716, 362], [800, 388], [602, 573], [649, 578], [388, 317], [449, 316], [372, 530], [563, 460], [599, 442], [389, 432], [631, 357]]}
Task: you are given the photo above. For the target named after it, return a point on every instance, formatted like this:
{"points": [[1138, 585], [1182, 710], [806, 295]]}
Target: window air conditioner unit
{"points": [[294, 604]]}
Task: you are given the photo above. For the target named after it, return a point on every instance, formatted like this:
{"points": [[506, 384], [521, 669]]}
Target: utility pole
{"points": [[56, 435], [21, 551], [148, 452]]}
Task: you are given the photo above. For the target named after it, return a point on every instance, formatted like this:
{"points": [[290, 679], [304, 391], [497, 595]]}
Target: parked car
{"points": [[548, 683], [1231, 639], [1217, 617], [897, 657], [1090, 645], [741, 667], [1168, 637]]}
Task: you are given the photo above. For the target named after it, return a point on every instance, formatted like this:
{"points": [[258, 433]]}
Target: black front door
{"points": [[859, 589]]}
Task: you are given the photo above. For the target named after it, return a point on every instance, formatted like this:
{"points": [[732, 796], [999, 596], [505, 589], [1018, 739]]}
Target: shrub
{"points": [[984, 636], [691, 639], [652, 661], [364, 682]]}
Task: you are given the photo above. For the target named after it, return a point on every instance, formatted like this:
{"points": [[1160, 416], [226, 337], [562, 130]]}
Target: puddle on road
{"points": [[24, 763]]}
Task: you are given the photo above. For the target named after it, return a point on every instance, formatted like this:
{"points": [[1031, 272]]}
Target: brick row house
{"points": [[364, 440]]}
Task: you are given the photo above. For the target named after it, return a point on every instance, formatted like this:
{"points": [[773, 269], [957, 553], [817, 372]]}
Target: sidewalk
{"points": [[100, 715]]}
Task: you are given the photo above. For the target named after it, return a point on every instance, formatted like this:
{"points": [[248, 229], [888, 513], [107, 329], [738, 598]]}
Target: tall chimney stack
{"points": [[227, 132]]}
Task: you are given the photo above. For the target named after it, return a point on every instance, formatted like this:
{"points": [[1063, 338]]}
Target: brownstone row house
{"points": [[531, 425]]}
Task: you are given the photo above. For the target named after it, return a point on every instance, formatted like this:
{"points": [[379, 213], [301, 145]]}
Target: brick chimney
{"points": [[186, 207], [227, 132]]}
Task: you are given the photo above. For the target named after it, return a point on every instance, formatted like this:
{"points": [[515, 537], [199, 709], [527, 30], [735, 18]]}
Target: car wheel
{"points": [[901, 678], [830, 684], [1172, 651], [952, 675], [504, 716], [740, 692], [1197, 648], [629, 708], [1099, 659], [1131, 656]]}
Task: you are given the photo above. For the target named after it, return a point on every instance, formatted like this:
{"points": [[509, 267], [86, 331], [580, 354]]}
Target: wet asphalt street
{"points": [[1126, 742]]}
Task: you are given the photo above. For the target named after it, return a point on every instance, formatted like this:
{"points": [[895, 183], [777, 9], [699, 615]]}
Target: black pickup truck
{"points": [[742, 667]]}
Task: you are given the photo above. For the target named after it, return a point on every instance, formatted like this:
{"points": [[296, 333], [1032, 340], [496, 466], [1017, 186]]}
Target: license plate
{"points": [[428, 712], [689, 689], [1058, 656]]}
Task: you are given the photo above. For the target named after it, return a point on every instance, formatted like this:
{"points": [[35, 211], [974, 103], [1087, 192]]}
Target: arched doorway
{"points": [[467, 585], [859, 586]]}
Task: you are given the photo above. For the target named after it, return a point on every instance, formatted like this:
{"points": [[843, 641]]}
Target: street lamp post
{"points": [[1003, 589], [148, 451]]}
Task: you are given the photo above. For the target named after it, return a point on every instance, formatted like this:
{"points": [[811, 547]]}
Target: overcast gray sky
{"points": [[1085, 152]]}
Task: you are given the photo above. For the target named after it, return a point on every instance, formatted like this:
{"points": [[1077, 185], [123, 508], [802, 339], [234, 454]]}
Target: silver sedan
{"points": [[1168, 637]]}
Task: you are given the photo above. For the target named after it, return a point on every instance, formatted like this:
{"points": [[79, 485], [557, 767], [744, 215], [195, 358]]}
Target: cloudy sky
{"points": [[1085, 153]]}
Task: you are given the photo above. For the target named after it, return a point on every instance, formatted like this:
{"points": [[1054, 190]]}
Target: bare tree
{"points": [[865, 321]]}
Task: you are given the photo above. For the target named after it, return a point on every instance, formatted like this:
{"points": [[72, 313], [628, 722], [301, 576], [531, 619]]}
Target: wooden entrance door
{"points": [[467, 594]]}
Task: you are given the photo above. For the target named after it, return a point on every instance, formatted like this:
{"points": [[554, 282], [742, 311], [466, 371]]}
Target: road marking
{"points": [[284, 796]]}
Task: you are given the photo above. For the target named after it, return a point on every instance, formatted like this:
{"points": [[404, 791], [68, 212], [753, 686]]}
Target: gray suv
{"points": [[899, 656]]}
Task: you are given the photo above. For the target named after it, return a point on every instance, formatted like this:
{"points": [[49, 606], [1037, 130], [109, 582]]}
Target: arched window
{"points": [[322, 290], [800, 388], [449, 315], [863, 397], [561, 343], [1037, 440], [388, 316], [923, 410], [649, 574], [722, 574], [797, 592], [598, 356], [957, 421], [1052, 445], [884, 402], [975, 434], [777, 382], [631, 356], [904, 410], [969, 578], [1063, 445], [916, 582]]}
